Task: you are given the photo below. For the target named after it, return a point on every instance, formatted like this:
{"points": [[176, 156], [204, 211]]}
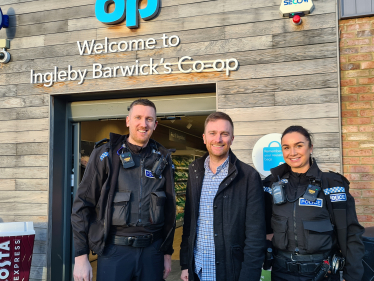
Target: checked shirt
{"points": [[204, 250]]}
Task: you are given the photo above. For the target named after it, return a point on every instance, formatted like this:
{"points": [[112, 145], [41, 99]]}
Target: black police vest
{"points": [[302, 225], [140, 197]]}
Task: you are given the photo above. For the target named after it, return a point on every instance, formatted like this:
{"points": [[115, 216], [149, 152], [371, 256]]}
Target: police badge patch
{"points": [[317, 203], [339, 197]]}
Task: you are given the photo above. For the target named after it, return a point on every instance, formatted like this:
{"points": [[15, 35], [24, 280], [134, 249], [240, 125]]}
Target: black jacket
{"points": [[316, 237], [239, 222], [91, 213]]}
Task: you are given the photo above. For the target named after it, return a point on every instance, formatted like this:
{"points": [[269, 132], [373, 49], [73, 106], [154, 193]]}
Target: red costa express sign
{"points": [[15, 257]]}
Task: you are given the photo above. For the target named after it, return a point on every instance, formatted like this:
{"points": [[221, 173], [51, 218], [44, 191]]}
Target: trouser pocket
{"points": [[156, 209], [279, 226], [121, 208]]}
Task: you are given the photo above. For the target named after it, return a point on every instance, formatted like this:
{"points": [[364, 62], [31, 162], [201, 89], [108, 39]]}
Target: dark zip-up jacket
{"points": [[92, 207], [239, 222], [311, 228]]}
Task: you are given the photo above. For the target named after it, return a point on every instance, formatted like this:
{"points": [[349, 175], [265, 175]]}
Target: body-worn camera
{"points": [[312, 191], [127, 160], [278, 193]]}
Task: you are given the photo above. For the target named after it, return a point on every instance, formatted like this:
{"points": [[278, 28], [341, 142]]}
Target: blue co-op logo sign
{"points": [[125, 9]]}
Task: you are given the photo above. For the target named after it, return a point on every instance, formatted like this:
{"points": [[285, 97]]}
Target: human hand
{"points": [[167, 265], [82, 269], [184, 275]]}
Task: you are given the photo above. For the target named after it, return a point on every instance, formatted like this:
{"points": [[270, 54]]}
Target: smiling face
{"points": [[141, 122], [296, 151], [218, 137]]}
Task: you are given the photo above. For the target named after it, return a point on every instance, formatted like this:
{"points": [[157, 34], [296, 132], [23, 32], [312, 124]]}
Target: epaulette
{"points": [[341, 176], [101, 142]]}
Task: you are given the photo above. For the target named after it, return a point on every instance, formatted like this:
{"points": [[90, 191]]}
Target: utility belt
{"points": [[293, 263], [141, 241]]}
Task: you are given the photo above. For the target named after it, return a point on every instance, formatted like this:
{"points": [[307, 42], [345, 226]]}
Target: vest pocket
{"points": [[121, 208], [279, 226], [318, 235], [156, 210]]}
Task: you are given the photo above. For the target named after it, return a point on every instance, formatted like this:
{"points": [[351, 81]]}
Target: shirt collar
{"points": [[224, 165]]}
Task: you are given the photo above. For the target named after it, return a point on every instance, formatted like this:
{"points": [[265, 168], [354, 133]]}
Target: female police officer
{"points": [[312, 216]]}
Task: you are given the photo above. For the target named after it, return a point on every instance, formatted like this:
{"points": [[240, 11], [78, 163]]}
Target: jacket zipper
{"points": [[140, 191], [294, 220]]}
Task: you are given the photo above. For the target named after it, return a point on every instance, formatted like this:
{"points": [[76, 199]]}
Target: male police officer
{"points": [[124, 209]]}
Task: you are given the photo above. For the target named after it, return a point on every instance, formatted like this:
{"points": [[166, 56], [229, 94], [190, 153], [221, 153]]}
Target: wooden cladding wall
{"points": [[287, 75]]}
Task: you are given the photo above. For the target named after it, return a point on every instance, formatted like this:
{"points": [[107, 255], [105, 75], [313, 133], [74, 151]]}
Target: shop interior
{"points": [[184, 133]]}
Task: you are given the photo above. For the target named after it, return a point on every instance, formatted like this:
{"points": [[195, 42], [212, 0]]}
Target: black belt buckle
{"points": [[143, 241], [130, 240]]}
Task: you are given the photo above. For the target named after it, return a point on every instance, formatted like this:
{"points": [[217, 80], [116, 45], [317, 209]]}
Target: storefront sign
{"points": [[296, 6], [125, 9], [267, 153], [185, 64]]}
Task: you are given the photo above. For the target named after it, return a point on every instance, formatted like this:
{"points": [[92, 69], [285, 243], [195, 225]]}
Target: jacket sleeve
{"points": [[186, 227], [86, 198], [353, 270], [254, 244], [266, 183], [170, 209]]}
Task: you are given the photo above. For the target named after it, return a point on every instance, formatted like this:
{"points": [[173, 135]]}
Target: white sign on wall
{"points": [[296, 6], [267, 153]]}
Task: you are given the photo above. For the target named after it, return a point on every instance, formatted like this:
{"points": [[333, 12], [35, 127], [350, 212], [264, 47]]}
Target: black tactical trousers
{"points": [[127, 263]]}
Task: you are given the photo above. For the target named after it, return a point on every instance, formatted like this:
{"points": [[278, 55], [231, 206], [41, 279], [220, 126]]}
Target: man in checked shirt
{"points": [[224, 222]]}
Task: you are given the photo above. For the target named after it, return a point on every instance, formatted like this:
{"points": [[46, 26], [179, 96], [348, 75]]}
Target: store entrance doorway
{"points": [[180, 126]]}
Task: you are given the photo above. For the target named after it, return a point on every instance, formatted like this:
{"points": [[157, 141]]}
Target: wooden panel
{"points": [[24, 113], [24, 137], [24, 209], [7, 114], [244, 100], [322, 125], [44, 5], [39, 28], [7, 184], [24, 161], [37, 148], [8, 149], [295, 112], [27, 42], [8, 91], [25, 125], [36, 197], [309, 37], [327, 154], [24, 173], [34, 100], [31, 184], [326, 95], [328, 80]]}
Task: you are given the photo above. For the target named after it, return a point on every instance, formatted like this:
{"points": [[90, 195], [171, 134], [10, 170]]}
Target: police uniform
{"points": [[308, 232], [125, 215]]}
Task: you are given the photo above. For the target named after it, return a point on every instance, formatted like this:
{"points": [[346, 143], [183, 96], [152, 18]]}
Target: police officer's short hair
{"points": [[145, 102], [219, 116], [300, 130]]}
